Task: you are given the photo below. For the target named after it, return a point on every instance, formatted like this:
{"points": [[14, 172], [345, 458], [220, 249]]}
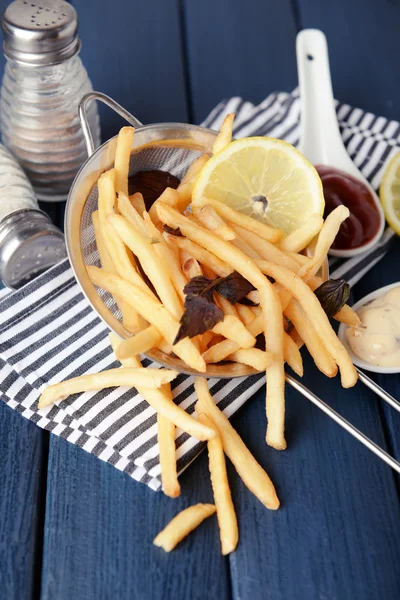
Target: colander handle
{"points": [[82, 109]]}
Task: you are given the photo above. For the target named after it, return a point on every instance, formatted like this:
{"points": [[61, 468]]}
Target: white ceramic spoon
{"points": [[320, 139]]}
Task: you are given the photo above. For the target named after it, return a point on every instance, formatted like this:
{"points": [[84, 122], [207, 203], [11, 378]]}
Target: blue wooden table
{"points": [[72, 527]]}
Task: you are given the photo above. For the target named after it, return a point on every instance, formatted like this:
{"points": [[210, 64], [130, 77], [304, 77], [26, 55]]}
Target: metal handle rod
{"points": [[378, 390], [356, 433], [82, 110]]}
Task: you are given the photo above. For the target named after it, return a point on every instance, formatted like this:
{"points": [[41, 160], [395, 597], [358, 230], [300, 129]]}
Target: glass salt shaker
{"points": [[29, 242], [43, 82]]}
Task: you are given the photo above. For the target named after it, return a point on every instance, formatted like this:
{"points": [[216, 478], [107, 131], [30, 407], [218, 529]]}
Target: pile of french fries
{"points": [[214, 240]]}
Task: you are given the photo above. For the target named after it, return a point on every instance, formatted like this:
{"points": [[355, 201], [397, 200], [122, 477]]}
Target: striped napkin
{"points": [[48, 331]]}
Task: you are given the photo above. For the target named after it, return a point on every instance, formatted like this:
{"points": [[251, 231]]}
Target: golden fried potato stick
{"points": [[322, 358], [311, 306], [150, 263], [245, 313], [151, 378], [227, 521], [127, 210], [195, 168], [210, 219], [260, 360], [170, 197], [122, 158], [203, 256], [242, 245], [229, 214], [292, 355], [273, 324], [190, 266], [265, 249], [161, 401], [224, 137], [181, 525], [137, 202], [248, 469], [130, 318], [151, 310], [299, 239], [326, 238], [225, 348], [167, 257], [233, 329], [140, 343], [167, 451]]}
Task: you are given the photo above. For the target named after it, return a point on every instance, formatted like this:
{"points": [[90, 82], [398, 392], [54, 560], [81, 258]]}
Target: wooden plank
{"points": [[23, 456], [132, 52], [99, 531], [335, 535], [363, 43], [237, 48]]}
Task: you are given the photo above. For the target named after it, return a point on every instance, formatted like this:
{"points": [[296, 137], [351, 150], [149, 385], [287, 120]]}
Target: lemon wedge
{"points": [[389, 193], [265, 178]]}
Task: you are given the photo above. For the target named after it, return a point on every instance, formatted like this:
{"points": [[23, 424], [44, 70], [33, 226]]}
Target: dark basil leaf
{"points": [[234, 287], [200, 316], [173, 231], [333, 295], [201, 286]]}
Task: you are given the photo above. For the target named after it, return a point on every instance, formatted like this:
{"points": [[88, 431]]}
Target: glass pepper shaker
{"points": [[29, 242], [43, 82]]}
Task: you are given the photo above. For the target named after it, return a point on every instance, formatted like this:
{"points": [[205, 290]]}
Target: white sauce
{"points": [[377, 341]]}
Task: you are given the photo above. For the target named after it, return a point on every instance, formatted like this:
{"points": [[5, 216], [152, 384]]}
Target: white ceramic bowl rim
{"points": [[343, 338]]}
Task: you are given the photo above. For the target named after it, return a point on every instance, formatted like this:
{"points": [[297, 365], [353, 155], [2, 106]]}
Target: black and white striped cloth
{"points": [[48, 331]]}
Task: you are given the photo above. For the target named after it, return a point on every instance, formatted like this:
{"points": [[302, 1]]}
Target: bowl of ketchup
{"points": [[365, 224]]}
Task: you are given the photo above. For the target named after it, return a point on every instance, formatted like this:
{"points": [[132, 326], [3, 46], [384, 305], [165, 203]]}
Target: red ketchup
{"points": [[364, 220]]}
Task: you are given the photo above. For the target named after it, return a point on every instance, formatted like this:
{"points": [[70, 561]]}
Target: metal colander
{"points": [[168, 147]]}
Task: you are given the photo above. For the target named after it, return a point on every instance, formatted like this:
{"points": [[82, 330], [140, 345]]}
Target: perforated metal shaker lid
{"points": [[29, 245], [40, 33]]}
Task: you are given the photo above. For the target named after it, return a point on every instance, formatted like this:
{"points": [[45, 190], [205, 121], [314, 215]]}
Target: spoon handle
{"points": [[319, 131]]}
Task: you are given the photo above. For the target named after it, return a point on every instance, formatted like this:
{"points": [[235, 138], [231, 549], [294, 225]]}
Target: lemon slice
{"points": [[265, 178], [389, 193]]}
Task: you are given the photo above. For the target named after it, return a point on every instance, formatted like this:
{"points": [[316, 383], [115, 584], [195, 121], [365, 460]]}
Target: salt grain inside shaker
{"points": [[29, 242], [43, 82]]}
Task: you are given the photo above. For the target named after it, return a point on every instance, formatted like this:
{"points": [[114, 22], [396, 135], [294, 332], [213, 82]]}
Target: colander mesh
{"points": [[174, 160]]}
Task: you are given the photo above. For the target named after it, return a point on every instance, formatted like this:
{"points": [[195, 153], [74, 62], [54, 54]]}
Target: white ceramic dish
{"points": [[343, 338]]}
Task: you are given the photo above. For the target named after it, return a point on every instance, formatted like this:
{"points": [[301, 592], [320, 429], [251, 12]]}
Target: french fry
{"points": [[223, 349], [150, 263], [190, 266], [245, 313], [228, 214], [292, 356], [251, 473], [325, 239], [306, 330], [242, 245], [233, 329], [168, 261], [122, 158], [265, 249], [137, 202], [273, 325], [195, 168], [224, 137], [260, 360], [348, 316], [317, 316], [203, 256], [161, 400], [170, 197], [151, 378], [151, 310], [181, 525], [210, 219], [227, 521], [130, 318], [127, 210], [226, 306], [299, 239], [167, 450], [140, 343]]}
